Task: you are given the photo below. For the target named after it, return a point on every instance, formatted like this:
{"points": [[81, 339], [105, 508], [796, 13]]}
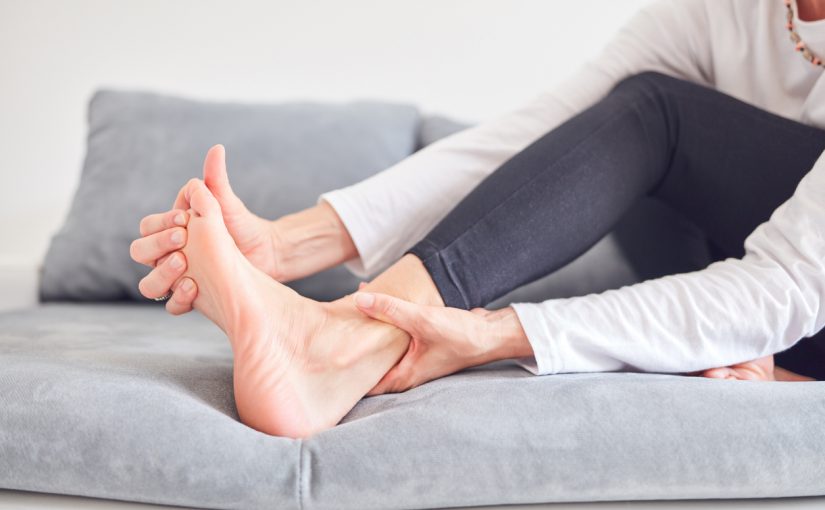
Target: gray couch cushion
{"points": [[143, 147], [126, 402], [435, 127]]}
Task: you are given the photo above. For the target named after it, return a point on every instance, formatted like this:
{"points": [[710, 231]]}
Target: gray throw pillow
{"points": [[143, 147], [435, 127]]}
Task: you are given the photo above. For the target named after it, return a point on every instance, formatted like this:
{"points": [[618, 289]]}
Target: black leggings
{"points": [[721, 163]]}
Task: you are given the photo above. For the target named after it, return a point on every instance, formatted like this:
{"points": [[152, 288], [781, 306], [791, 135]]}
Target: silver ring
{"points": [[163, 298]]}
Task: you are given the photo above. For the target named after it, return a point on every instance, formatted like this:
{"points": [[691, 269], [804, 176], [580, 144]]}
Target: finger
{"points": [[160, 280], [182, 298], [361, 285], [162, 259], [147, 250], [400, 313], [155, 223], [402, 377], [379, 389], [390, 379], [481, 311], [182, 200]]}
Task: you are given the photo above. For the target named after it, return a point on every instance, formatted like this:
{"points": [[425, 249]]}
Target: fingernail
{"points": [[177, 237], [180, 220], [186, 285], [175, 261], [364, 300]]}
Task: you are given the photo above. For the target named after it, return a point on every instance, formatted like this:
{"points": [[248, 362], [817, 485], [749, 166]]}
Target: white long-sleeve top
{"points": [[732, 311]]}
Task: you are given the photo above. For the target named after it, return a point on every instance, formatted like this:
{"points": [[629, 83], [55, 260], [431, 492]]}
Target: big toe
{"points": [[214, 171], [215, 162]]}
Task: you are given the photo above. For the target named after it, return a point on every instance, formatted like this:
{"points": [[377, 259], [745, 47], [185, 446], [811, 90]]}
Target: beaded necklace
{"points": [[800, 44]]}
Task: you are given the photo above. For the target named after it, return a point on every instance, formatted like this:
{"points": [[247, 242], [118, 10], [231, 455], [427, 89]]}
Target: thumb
{"points": [[215, 175], [386, 384], [405, 315], [400, 377]]}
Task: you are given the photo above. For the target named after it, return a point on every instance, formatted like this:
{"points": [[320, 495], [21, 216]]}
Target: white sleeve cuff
{"points": [[546, 360], [353, 221]]}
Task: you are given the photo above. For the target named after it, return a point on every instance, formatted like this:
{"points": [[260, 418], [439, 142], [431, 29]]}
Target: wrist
{"points": [[505, 338], [309, 241]]}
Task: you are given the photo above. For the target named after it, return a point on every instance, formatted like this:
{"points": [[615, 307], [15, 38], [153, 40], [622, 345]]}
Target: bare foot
{"points": [[761, 369], [299, 365]]}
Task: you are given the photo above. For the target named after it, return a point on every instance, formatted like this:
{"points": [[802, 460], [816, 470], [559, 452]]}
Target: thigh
{"points": [[721, 163], [548, 204]]}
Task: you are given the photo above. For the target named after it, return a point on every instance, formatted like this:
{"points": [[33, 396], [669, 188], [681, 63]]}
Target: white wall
{"points": [[466, 58]]}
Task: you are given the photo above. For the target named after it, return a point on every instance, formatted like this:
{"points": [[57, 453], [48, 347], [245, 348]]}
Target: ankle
{"points": [[409, 280], [782, 374], [310, 241]]}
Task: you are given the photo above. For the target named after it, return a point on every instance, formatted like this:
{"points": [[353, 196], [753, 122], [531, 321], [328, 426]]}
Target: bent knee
{"points": [[647, 83]]}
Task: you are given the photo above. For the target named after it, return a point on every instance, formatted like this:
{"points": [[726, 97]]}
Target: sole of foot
{"points": [[299, 365]]}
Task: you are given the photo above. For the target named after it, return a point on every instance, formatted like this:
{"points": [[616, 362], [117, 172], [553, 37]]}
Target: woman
{"points": [[657, 113]]}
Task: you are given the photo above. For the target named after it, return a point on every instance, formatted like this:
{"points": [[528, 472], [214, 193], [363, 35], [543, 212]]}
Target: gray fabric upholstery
{"points": [[143, 147], [126, 402], [435, 127]]}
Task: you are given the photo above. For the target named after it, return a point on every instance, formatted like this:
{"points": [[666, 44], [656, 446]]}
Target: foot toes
{"points": [[718, 373], [203, 202]]}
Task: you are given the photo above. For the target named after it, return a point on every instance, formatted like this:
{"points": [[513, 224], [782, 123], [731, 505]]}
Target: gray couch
{"points": [[113, 398]]}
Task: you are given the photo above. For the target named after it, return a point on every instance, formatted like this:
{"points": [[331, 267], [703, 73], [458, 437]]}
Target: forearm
{"points": [[728, 313], [310, 241]]}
